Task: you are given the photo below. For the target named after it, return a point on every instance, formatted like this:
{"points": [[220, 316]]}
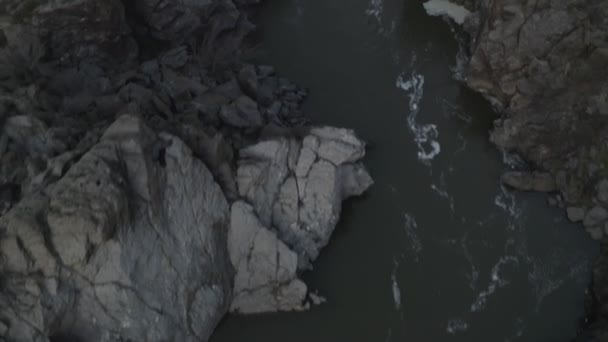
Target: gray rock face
{"points": [[243, 113], [129, 244], [297, 187], [125, 235], [266, 278], [575, 214], [595, 216], [529, 181], [75, 28]]}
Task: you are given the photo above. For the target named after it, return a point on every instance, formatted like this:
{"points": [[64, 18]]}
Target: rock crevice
{"points": [[150, 180]]}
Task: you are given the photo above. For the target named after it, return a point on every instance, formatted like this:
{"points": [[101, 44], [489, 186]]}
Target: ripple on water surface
{"points": [[438, 250]]}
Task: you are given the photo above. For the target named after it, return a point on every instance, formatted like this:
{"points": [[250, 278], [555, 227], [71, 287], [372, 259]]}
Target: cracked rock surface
{"points": [[124, 246], [544, 65], [150, 180], [137, 240], [297, 186]]}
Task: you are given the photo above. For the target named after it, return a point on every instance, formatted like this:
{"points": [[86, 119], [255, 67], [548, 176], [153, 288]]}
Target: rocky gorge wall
{"points": [[150, 180], [544, 66]]}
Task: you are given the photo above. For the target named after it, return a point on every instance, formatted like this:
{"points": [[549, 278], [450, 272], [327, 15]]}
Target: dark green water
{"points": [[437, 251]]}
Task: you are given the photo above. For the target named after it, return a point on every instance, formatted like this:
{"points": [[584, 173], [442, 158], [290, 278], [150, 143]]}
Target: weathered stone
{"points": [[117, 232], [355, 180], [595, 216], [265, 267], [575, 214], [33, 135], [249, 80], [80, 28], [298, 192], [243, 113], [596, 233]]}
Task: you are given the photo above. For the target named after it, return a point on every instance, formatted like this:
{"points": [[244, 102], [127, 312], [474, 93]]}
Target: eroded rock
{"points": [[266, 278], [297, 187], [125, 246], [529, 181]]}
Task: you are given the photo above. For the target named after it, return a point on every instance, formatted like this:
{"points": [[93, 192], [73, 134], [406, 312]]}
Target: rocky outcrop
{"points": [[297, 186], [137, 240], [129, 244], [150, 181], [544, 65], [266, 269]]}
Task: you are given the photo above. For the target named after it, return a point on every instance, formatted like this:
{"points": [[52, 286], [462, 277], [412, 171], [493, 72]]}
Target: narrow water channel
{"points": [[437, 250]]}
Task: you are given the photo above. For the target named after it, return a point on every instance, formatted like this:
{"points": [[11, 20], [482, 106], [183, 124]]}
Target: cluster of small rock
{"points": [[150, 181]]}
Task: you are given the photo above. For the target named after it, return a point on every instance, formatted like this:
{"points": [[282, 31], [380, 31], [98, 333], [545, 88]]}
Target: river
{"points": [[437, 250]]}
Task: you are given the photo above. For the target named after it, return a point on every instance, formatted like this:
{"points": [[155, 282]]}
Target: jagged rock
{"points": [[602, 191], [529, 181], [249, 81], [9, 195], [125, 236], [297, 187], [129, 244], [596, 233], [339, 146], [266, 278], [595, 216], [542, 64], [447, 9], [243, 113], [173, 21], [575, 214]]}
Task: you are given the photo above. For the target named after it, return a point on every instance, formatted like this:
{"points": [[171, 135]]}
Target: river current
{"points": [[437, 250]]}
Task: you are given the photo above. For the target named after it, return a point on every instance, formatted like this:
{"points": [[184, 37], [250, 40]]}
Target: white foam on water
{"points": [[375, 9], [396, 292], [447, 9], [496, 282], [442, 191], [410, 227], [395, 285], [425, 135], [474, 276], [505, 200], [457, 325], [462, 60]]}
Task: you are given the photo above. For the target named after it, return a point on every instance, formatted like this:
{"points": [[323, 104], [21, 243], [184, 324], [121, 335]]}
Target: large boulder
{"points": [[266, 278], [544, 65], [131, 244], [297, 186]]}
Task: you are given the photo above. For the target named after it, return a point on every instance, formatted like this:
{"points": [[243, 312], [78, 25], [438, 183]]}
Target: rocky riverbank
{"points": [[544, 65], [150, 180]]}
